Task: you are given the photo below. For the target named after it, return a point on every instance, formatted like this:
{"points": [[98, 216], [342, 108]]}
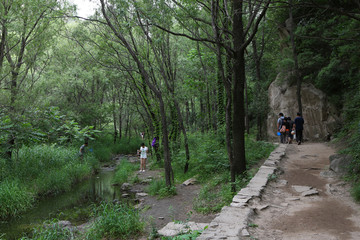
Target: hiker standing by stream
{"points": [[82, 150], [143, 156]]}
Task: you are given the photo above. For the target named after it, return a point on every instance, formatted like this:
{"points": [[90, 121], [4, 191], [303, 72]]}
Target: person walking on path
{"points": [[291, 130], [143, 156], [82, 150], [279, 124], [299, 127]]}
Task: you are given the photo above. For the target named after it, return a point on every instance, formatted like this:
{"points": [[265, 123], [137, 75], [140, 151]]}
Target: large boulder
{"points": [[320, 116], [340, 163]]}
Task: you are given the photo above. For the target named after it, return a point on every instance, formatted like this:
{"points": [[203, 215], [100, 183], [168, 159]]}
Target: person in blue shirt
{"points": [[299, 127], [279, 124]]}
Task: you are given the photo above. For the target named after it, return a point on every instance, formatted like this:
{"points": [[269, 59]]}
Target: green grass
{"points": [[158, 188], [350, 137], [104, 147], [210, 165], [123, 171], [51, 230], [37, 171], [115, 222], [14, 198]]}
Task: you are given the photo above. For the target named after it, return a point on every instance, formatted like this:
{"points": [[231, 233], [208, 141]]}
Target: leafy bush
{"points": [[14, 198], [115, 222]]}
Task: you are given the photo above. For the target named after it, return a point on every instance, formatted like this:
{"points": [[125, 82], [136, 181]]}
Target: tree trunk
{"points": [[294, 52], [247, 127], [187, 116], [238, 90], [258, 98], [228, 119], [193, 115], [114, 117], [165, 141]]}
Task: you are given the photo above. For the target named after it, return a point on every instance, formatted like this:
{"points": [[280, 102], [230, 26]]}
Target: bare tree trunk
{"points": [[294, 52], [238, 89], [193, 115], [187, 116], [114, 117], [247, 125]]}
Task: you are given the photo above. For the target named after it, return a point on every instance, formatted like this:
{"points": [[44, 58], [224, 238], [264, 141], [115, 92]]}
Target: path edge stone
{"points": [[232, 222]]}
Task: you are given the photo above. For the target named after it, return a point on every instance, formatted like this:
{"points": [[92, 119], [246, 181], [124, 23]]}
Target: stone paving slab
{"points": [[232, 222], [172, 229]]}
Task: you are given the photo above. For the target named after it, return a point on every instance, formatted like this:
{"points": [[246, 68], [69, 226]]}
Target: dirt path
{"points": [[158, 212], [329, 215]]}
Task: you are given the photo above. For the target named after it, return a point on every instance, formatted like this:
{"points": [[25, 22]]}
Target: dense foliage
{"points": [[192, 73]]}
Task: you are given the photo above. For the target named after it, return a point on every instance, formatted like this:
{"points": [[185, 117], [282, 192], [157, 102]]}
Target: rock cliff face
{"points": [[320, 117]]}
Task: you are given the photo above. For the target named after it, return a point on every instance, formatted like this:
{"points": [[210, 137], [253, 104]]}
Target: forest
{"points": [[192, 73]]}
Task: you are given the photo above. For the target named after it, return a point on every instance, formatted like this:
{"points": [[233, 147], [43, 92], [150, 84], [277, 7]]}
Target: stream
{"points": [[92, 190]]}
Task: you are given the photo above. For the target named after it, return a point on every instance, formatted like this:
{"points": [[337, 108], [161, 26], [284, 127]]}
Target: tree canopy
{"points": [[168, 68]]}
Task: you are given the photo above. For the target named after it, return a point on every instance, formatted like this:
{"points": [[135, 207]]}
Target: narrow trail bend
{"points": [[288, 214]]}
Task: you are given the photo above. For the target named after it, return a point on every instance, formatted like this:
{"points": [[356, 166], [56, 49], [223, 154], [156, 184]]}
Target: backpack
{"points": [[283, 129], [153, 142]]}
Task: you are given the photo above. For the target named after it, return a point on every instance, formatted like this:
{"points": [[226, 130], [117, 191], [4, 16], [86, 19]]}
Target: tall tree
{"points": [[242, 37], [27, 28], [110, 17], [295, 57]]}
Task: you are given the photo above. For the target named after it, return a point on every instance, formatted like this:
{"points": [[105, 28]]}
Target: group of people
{"points": [[288, 129]]}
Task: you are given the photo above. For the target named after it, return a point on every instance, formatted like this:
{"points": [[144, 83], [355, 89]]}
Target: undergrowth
{"points": [[350, 134], [104, 147], [39, 170], [158, 188], [123, 171], [210, 166], [114, 221]]}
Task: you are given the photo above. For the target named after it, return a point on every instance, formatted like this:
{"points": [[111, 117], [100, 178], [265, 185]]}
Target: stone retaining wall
{"points": [[232, 222]]}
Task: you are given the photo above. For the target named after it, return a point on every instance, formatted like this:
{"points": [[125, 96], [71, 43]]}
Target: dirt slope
{"points": [[329, 215]]}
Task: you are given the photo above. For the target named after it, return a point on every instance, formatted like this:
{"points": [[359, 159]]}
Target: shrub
{"points": [[115, 222]]}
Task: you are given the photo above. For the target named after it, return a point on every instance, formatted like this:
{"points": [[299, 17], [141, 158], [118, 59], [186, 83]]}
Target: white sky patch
{"points": [[85, 8]]}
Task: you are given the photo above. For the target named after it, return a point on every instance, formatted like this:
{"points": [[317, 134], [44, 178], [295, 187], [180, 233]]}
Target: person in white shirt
{"points": [[143, 157]]}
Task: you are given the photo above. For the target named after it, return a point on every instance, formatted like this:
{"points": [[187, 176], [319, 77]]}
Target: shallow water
{"points": [[93, 190]]}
